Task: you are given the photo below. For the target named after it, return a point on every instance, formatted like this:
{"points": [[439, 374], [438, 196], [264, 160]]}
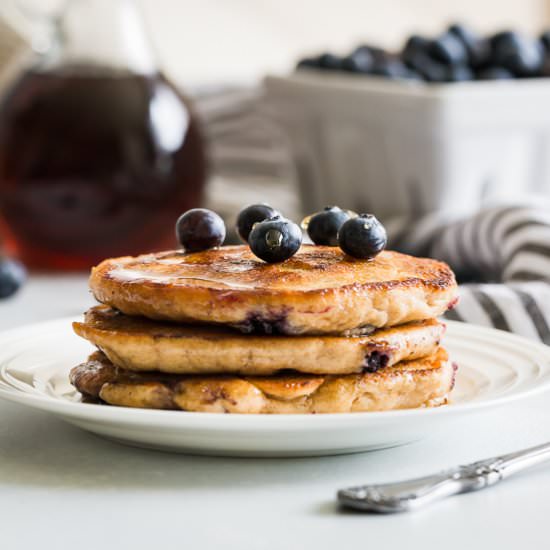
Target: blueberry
{"points": [[375, 53], [368, 48], [494, 73], [479, 49], [430, 69], [12, 276], [200, 229], [375, 361], [415, 54], [359, 61], [390, 65], [519, 54], [504, 35], [330, 61], [275, 239], [449, 49], [323, 227], [414, 44], [253, 214], [393, 68], [309, 63], [459, 73], [362, 237], [363, 48]]}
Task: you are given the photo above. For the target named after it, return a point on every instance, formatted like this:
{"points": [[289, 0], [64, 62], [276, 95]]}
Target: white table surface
{"points": [[64, 488]]}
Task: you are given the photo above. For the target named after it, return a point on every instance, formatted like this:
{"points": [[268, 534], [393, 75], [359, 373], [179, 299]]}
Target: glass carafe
{"points": [[99, 153]]}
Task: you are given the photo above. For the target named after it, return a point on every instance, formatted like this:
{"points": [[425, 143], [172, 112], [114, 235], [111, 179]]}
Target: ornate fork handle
{"points": [[409, 495]]}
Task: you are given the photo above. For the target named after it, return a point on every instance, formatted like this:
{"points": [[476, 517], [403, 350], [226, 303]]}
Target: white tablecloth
{"points": [[63, 488]]}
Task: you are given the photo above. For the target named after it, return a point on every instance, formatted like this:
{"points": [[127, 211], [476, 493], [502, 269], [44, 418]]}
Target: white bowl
{"points": [[406, 147]]}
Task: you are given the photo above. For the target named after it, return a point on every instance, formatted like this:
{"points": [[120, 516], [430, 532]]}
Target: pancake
{"points": [[139, 344], [410, 384], [320, 290]]}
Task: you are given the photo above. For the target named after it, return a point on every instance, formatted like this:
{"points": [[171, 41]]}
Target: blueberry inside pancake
{"points": [[409, 384]]}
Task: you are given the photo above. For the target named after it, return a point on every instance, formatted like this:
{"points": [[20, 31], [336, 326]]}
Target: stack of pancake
{"points": [[222, 331]]}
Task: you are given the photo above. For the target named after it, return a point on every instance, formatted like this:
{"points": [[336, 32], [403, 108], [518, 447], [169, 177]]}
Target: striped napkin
{"points": [[502, 260]]}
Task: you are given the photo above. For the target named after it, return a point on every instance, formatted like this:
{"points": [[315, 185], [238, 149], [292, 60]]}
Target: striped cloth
{"points": [[242, 140], [502, 260]]}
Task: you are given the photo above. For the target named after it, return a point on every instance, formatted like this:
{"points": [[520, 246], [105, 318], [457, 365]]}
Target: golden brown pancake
{"points": [[139, 344], [320, 290], [409, 384]]}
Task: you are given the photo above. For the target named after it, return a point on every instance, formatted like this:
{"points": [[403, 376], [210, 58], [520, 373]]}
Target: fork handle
{"points": [[409, 495]]}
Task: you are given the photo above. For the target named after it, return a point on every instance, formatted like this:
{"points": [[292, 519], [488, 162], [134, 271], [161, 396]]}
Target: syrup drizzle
{"points": [[125, 274]]}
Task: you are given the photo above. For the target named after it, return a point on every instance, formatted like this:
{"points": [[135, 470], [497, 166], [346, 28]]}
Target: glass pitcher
{"points": [[99, 153]]}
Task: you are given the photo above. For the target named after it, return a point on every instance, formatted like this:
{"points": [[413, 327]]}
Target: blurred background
{"points": [[238, 41], [116, 115], [242, 40]]}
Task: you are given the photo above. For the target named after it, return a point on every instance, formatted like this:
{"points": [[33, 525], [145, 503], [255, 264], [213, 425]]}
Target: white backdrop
{"points": [[213, 40], [208, 41]]}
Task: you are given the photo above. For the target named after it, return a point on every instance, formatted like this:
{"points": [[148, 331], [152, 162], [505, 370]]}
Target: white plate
{"points": [[494, 368]]}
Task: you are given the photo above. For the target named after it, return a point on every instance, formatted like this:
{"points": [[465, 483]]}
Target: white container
{"points": [[409, 148]]}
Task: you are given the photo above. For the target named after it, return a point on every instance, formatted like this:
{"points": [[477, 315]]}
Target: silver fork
{"points": [[404, 496]]}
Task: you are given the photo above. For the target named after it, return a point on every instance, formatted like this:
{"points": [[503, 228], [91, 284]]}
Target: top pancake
{"points": [[320, 290]]}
